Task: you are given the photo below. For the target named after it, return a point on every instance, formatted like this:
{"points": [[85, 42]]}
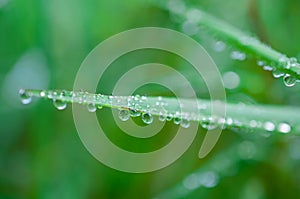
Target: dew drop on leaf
{"points": [[289, 80], [91, 107], [147, 118], [99, 106], [25, 97], [162, 115], [124, 115], [59, 104], [177, 118], [277, 73], [269, 126], [219, 46], [185, 123], [284, 128], [134, 113]]}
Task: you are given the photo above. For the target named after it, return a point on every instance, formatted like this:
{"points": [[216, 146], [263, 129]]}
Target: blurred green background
{"points": [[42, 45]]}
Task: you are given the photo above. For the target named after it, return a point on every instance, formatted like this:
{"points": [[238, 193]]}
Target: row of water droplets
{"points": [[144, 107], [190, 20]]}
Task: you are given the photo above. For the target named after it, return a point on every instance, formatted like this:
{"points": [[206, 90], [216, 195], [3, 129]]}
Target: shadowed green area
{"points": [[43, 44]]}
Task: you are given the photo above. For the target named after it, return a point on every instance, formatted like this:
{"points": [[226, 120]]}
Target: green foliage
{"points": [[41, 154]]}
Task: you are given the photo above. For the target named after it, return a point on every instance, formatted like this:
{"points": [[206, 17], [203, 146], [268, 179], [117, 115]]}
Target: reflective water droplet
{"points": [[147, 118], [269, 126], [191, 182], [91, 107], [253, 124], [193, 15], [185, 123], [124, 115], [289, 80], [277, 73], [25, 97], [134, 113], [260, 63], [219, 46], [293, 61], [169, 117], [236, 55], [209, 179], [231, 80], [284, 128], [267, 68], [59, 104], [190, 28], [162, 115], [210, 123], [42, 93], [177, 118]]}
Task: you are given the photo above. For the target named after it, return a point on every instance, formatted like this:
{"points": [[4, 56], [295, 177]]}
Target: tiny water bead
{"points": [[147, 118], [25, 97], [185, 123], [219, 46], [177, 118], [289, 80], [277, 73], [124, 115], [134, 113], [59, 104], [162, 115], [260, 63], [91, 107], [236, 55]]}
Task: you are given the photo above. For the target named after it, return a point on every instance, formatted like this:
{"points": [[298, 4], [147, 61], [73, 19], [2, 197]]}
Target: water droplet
{"points": [[177, 118], [91, 107], [209, 179], [169, 117], [99, 106], [147, 118], [267, 68], [289, 80], [185, 123], [42, 93], [210, 123], [190, 28], [260, 63], [124, 115], [219, 46], [277, 73], [253, 124], [231, 80], [134, 113], [293, 61], [284, 128], [269, 126], [193, 15], [59, 104], [236, 55], [191, 182], [162, 115], [176, 6], [25, 97]]}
